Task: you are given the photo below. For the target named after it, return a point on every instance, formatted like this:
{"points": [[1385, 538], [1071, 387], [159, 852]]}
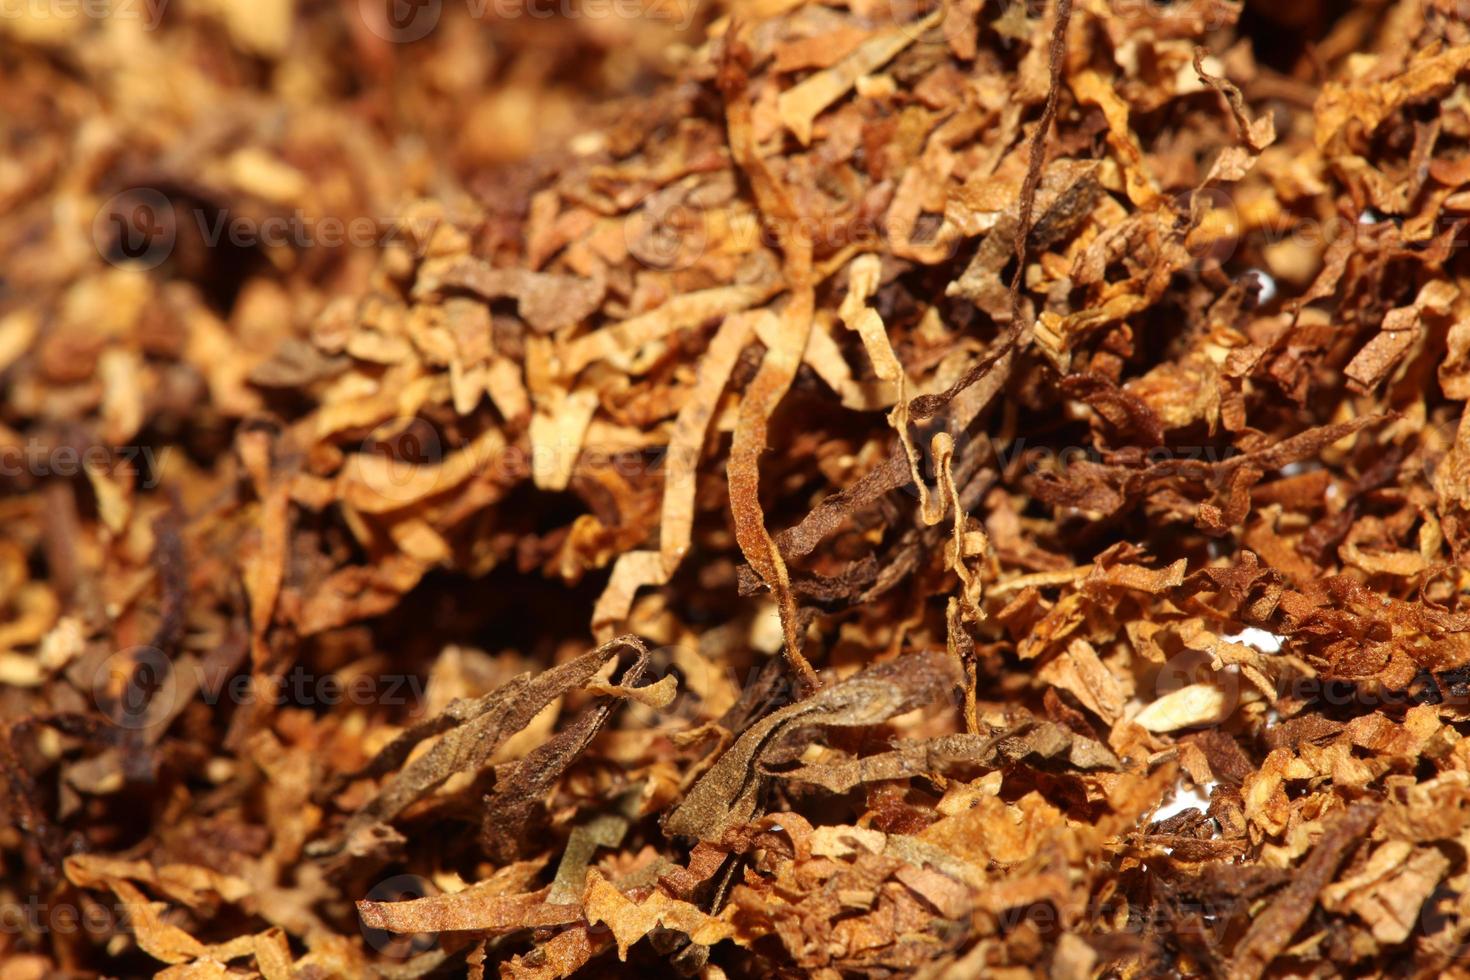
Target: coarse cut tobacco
{"points": [[767, 489]]}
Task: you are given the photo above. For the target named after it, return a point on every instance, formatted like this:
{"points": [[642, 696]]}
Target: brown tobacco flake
{"points": [[800, 104], [630, 920], [729, 794], [1401, 327], [472, 730], [1039, 740], [843, 489], [546, 302], [1271, 931], [467, 910]]}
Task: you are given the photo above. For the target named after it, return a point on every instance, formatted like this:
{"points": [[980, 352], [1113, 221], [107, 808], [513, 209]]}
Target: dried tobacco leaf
{"points": [[471, 732], [1011, 455], [729, 793]]}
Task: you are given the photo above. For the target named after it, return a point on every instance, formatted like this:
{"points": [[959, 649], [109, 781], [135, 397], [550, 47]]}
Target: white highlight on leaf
{"points": [[1257, 639]]}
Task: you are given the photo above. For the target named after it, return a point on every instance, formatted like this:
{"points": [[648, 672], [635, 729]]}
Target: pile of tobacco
{"points": [[734, 488]]}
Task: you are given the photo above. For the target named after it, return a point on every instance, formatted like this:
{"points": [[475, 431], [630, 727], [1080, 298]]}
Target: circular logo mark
{"points": [[137, 228], [136, 688], [401, 21], [668, 232], [397, 460], [1194, 668], [399, 888]]}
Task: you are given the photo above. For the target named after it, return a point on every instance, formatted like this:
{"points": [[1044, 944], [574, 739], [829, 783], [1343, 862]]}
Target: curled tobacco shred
{"points": [[728, 794], [735, 490]]}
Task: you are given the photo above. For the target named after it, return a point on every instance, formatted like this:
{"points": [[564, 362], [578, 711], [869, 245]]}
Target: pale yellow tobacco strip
{"points": [[631, 572], [1065, 576], [825, 358], [376, 484], [678, 313], [18, 331], [507, 389], [864, 276], [800, 105], [692, 425], [972, 590], [557, 433], [637, 569], [1094, 89], [629, 920]]}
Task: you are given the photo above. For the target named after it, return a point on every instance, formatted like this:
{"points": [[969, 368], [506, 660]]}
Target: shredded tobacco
{"points": [[734, 489]]}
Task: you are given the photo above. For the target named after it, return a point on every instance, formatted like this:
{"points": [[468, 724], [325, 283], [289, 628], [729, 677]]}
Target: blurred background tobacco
{"points": [[734, 489]]}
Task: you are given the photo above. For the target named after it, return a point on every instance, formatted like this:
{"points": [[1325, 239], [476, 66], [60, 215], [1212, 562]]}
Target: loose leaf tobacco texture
{"points": [[795, 489]]}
